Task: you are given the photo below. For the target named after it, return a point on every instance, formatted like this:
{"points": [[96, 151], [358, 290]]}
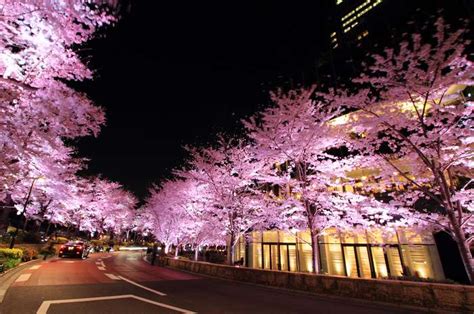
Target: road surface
{"points": [[123, 282]]}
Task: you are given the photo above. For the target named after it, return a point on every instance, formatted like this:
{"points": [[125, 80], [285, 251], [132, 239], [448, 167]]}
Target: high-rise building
{"points": [[350, 20], [355, 28]]}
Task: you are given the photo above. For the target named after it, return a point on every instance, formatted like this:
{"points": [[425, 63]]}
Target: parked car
{"points": [[79, 249]]}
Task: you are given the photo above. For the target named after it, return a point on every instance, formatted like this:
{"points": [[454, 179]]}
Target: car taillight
{"points": [[79, 247], [63, 246]]}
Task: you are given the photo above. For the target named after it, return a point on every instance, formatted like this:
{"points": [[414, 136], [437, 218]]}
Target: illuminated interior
{"points": [[369, 255]]}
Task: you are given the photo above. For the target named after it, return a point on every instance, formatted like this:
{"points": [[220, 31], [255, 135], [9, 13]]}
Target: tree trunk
{"points": [[25, 224], [47, 228], [230, 250], [196, 253], [176, 251], [465, 252], [315, 256], [167, 248]]}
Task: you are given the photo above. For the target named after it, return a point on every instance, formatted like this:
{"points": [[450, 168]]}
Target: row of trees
{"points": [[40, 113], [402, 124]]}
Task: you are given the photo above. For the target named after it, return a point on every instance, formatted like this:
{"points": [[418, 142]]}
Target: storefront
{"points": [[367, 255]]}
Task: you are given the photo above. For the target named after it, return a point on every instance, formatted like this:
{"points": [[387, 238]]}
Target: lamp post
{"points": [[25, 204]]}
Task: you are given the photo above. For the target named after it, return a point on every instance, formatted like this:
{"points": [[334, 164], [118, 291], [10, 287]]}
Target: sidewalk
{"points": [[8, 277]]}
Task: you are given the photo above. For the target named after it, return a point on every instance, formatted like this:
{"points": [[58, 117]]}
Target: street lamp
{"points": [[25, 204]]}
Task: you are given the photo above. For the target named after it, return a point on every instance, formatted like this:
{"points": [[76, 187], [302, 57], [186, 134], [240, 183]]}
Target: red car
{"points": [[74, 249]]}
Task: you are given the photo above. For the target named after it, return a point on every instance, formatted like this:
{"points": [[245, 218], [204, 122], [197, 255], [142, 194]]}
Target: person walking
{"points": [[153, 253]]}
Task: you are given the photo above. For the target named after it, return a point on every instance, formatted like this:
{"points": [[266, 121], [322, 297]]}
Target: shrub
{"points": [[419, 279], [11, 253], [11, 263], [97, 242], [213, 256], [28, 254], [61, 240]]}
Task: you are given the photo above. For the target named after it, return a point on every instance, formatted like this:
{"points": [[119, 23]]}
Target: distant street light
{"points": [[25, 204]]}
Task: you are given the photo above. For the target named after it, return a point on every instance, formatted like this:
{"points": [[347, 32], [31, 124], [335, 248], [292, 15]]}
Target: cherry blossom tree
{"points": [[165, 212], [38, 110], [293, 142], [415, 125], [200, 228], [235, 200], [37, 107]]}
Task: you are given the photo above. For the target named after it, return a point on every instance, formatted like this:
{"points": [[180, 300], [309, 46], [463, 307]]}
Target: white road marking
{"points": [[23, 278], [132, 258], [35, 267], [69, 262], [101, 268], [43, 309], [143, 287], [113, 277]]}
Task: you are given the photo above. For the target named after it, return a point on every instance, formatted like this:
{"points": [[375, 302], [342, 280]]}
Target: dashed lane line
{"points": [[143, 287], [112, 276], [101, 268], [43, 309], [35, 267], [23, 278]]}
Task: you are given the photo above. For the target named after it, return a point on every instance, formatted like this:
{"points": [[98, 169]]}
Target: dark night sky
{"points": [[169, 75], [174, 75]]}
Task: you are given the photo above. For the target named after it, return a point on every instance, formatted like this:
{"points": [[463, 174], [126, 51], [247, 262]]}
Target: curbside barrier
{"points": [[459, 298]]}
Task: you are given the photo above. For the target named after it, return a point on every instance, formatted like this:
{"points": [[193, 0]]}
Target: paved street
{"points": [[124, 283]]}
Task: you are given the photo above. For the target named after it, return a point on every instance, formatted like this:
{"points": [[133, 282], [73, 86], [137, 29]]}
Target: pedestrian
{"points": [[153, 253]]}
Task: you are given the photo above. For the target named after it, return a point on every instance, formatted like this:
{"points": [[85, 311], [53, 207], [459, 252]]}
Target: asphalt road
{"points": [[123, 283]]}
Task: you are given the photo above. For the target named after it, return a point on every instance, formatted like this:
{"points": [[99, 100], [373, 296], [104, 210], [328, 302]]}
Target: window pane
{"points": [[270, 236], [292, 261], [284, 257], [287, 237], [274, 257], [351, 265], [379, 262], [394, 262], [364, 262], [266, 256]]}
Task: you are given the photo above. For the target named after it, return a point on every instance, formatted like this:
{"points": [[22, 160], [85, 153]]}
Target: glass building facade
{"points": [[368, 255]]}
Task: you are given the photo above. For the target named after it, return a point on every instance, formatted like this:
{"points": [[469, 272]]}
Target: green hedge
{"points": [[11, 263]]}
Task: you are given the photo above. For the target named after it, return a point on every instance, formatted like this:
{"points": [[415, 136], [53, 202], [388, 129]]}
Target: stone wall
{"points": [[430, 295]]}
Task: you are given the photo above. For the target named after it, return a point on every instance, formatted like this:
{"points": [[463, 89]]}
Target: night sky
{"points": [[174, 75], [169, 75]]}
